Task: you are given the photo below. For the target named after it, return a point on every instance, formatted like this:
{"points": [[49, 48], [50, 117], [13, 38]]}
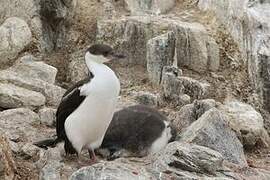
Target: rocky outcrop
{"points": [[160, 53], [137, 7], [48, 20], [212, 130], [15, 35], [248, 23], [147, 98], [7, 164], [33, 79], [247, 122]]}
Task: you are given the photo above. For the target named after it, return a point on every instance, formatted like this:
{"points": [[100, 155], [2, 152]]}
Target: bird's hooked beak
{"points": [[114, 55]]}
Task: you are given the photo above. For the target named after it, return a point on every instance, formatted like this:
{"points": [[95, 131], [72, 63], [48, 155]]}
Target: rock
{"points": [[147, 98], [15, 35], [77, 69], [52, 92], [51, 171], [30, 151], [12, 96], [174, 86], [180, 158], [30, 67], [247, 122], [20, 125], [212, 130], [47, 116], [249, 25], [7, 164], [191, 112], [195, 49], [138, 7], [111, 170], [160, 53]]}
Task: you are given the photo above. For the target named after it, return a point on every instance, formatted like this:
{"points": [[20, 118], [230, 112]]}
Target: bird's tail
{"points": [[52, 142]]}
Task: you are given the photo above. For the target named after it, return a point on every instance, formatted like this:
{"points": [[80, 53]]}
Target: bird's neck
{"points": [[94, 66]]}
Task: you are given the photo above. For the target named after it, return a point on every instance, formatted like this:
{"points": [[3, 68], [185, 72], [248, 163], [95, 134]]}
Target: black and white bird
{"points": [[137, 131], [87, 108]]}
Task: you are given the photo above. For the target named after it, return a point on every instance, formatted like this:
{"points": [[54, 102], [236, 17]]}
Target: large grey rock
{"points": [[191, 112], [249, 25], [212, 130], [112, 170], [15, 35], [47, 116], [12, 96], [183, 158], [7, 164], [52, 92], [20, 125], [139, 7], [196, 50], [160, 53], [247, 122], [30, 67], [174, 85]]}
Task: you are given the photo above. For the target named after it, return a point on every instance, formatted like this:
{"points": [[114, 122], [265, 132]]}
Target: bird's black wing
{"points": [[69, 102]]}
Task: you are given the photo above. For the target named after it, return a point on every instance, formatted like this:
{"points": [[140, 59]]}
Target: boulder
{"points": [[195, 49], [212, 130], [12, 96], [30, 67], [20, 125], [160, 53], [52, 92], [112, 170], [183, 158], [139, 7], [47, 116], [247, 122], [15, 35], [7, 164], [51, 171]]}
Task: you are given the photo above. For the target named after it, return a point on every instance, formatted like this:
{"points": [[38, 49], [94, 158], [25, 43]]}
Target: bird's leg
{"points": [[92, 155]]}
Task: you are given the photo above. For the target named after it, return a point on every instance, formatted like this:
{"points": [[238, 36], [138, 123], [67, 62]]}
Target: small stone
{"points": [[30, 151], [7, 164], [47, 116], [147, 98]]}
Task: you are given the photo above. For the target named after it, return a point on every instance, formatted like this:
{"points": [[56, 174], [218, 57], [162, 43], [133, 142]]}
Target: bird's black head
{"points": [[101, 53]]}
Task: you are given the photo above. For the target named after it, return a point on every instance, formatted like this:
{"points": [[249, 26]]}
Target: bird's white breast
{"points": [[87, 125]]}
